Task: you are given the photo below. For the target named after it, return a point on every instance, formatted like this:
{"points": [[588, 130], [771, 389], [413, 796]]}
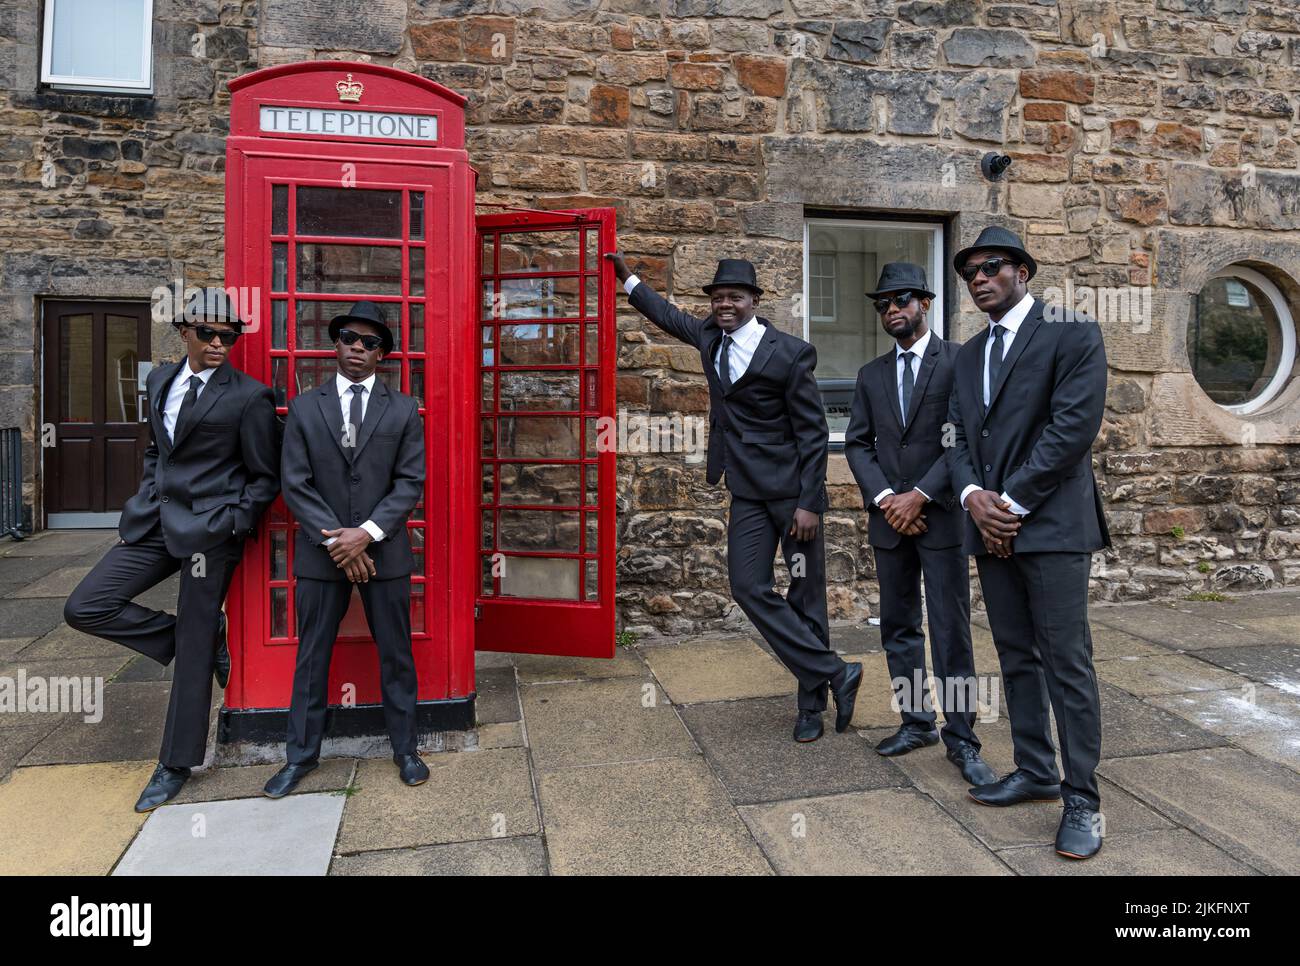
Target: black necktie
{"points": [[187, 405], [995, 359], [724, 363], [909, 381], [353, 429]]}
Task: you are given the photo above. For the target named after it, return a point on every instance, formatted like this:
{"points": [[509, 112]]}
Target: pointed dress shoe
{"points": [[973, 770], [846, 696], [221, 665], [411, 768], [287, 778], [808, 726], [1015, 788], [1080, 834], [165, 785], [907, 738]]}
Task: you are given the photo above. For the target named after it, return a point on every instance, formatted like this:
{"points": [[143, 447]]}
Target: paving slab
{"points": [[520, 855], [61, 643], [30, 618], [470, 795], [507, 735], [247, 836], [663, 817], [1111, 644], [1241, 803], [1238, 606], [854, 638], [591, 722], [18, 572], [54, 680], [1279, 629], [1282, 747], [1173, 851], [10, 646], [484, 659], [750, 747], [63, 543], [141, 668], [246, 781], [1182, 631], [1251, 710], [1166, 674], [1275, 665], [69, 819], [718, 669], [894, 831], [15, 742], [999, 828], [541, 668], [57, 583], [496, 695], [1132, 726]]}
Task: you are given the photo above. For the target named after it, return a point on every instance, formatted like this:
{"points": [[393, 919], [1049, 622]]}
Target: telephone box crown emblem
{"points": [[349, 90]]}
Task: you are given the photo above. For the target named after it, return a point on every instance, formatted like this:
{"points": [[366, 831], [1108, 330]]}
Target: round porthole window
{"points": [[1241, 340]]}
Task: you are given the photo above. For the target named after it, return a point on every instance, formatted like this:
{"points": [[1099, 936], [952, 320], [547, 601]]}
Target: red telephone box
{"points": [[348, 181]]}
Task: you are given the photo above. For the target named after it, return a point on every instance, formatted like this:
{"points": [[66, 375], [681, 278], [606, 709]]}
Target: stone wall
{"points": [[1154, 141]]}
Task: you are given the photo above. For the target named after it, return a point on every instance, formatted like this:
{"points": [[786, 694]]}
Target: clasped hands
{"points": [[997, 524], [903, 512], [348, 551]]}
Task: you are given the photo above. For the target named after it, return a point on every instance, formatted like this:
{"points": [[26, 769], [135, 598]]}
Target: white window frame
{"points": [[935, 272], [1284, 319], [99, 84], [833, 278]]}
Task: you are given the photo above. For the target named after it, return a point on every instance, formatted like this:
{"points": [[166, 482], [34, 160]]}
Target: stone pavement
{"points": [[671, 758]]}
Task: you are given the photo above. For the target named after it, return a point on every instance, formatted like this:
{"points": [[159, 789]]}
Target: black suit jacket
{"points": [[768, 433], [883, 452], [325, 491], [1035, 440], [214, 480]]}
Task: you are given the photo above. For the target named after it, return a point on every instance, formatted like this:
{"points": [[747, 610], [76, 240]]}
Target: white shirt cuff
{"points": [[376, 533], [970, 488], [887, 491], [630, 283], [923, 493], [1016, 508]]}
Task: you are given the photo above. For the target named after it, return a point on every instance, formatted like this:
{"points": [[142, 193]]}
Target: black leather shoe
{"points": [[221, 666], [846, 696], [808, 726], [287, 778], [967, 757], [1015, 788], [412, 768], [1079, 836], [907, 738], [165, 785]]}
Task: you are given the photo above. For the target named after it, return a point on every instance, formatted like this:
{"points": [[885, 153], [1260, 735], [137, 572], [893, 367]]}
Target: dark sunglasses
{"points": [[901, 300], [369, 342], [207, 333], [989, 267]]}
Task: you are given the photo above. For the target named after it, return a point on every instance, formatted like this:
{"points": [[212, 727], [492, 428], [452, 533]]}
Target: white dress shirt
{"points": [[176, 395], [918, 350], [345, 385], [744, 340], [1011, 323]]}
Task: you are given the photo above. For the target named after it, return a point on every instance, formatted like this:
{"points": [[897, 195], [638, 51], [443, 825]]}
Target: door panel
{"points": [[546, 377]]}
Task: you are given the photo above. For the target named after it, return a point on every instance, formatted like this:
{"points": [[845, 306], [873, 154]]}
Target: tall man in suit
{"points": [[1026, 405], [767, 432], [353, 469], [894, 445], [211, 468]]}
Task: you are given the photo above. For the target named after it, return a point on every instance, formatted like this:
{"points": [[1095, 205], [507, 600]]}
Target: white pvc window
{"points": [[103, 45], [1241, 340]]}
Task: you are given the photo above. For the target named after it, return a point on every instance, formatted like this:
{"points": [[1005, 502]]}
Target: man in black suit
{"points": [[767, 432], [353, 469], [211, 468], [894, 445], [1027, 403]]}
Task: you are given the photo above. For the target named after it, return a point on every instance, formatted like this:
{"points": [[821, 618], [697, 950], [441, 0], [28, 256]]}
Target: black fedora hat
{"points": [[997, 237], [734, 271], [364, 312], [209, 305], [902, 277]]}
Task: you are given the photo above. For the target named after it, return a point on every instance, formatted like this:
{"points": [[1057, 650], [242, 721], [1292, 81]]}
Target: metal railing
{"points": [[11, 483]]}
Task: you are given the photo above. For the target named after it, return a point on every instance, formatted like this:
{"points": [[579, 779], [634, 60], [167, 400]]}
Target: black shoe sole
{"points": [[840, 729], [809, 741], [1023, 801], [1078, 858]]}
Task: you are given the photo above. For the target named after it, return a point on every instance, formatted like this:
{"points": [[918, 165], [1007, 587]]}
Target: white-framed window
{"points": [[101, 45], [840, 321], [1241, 340]]}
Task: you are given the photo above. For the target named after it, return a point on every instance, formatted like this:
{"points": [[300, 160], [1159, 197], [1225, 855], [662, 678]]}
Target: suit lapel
{"points": [[927, 367], [374, 413], [327, 397], [217, 383], [1018, 344], [889, 379], [761, 355], [159, 401]]}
